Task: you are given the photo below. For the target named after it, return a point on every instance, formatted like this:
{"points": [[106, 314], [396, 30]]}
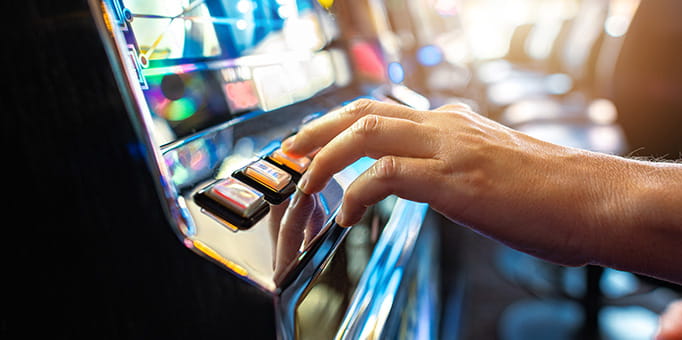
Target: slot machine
{"points": [[157, 202]]}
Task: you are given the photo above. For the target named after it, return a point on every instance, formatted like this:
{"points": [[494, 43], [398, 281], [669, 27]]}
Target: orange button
{"points": [[268, 175], [237, 196], [298, 164]]}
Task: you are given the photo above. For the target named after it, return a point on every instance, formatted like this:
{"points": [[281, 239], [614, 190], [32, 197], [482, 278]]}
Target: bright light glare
{"points": [[627, 323], [559, 83], [303, 33], [245, 6], [602, 111], [616, 26], [551, 16], [242, 24], [429, 55], [616, 284], [541, 41], [489, 24], [606, 138], [286, 11], [396, 73]]}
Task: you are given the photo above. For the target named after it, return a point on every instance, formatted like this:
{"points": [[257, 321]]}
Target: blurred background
{"points": [[601, 75]]}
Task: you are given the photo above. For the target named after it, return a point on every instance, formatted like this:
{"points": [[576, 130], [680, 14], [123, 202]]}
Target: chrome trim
{"points": [[131, 93], [289, 299], [373, 298]]}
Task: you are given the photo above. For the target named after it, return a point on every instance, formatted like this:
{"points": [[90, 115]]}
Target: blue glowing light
{"points": [[396, 72], [429, 55]]}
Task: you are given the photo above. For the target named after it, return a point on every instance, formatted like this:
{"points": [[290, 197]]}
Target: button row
{"points": [[242, 199]]}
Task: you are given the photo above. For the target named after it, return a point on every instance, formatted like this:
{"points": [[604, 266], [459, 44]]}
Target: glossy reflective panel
{"points": [[320, 311], [166, 31], [201, 63], [268, 251]]}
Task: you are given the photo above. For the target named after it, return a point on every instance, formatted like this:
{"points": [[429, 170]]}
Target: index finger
{"points": [[322, 130]]}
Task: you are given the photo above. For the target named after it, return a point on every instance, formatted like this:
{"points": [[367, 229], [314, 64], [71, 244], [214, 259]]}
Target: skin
{"points": [[670, 324], [562, 204], [565, 205]]}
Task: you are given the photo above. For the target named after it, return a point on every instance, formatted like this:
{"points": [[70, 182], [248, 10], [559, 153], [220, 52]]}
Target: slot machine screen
{"points": [[203, 62]]}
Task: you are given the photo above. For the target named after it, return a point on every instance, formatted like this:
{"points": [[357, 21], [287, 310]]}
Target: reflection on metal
{"points": [[271, 248], [373, 298], [201, 247]]}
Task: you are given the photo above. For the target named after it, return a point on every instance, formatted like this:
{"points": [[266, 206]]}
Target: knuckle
{"points": [[455, 107], [367, 125], [386, 168], [363, 104], [359, 107], [462, 118]]}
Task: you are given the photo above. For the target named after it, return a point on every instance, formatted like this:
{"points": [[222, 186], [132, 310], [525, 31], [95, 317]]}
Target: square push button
{"points": [[269, 175], [234, 202], [295, 166], [275, 183]]}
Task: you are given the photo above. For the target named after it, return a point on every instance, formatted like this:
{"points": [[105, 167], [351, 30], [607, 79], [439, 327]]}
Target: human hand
{"points": [[465, 166], [670, 322]]}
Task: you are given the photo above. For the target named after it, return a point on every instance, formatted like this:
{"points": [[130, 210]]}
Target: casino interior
{"points": [[149, 133]]}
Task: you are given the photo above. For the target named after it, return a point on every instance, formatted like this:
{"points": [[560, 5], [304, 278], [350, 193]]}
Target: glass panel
{"points": [[200, 63]]}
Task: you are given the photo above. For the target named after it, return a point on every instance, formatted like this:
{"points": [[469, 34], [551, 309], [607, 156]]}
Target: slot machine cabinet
{"points": [[116, 128]]}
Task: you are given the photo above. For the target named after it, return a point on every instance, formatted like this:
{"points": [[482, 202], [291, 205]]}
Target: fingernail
{"points": [[303, 183], [340, 219]]}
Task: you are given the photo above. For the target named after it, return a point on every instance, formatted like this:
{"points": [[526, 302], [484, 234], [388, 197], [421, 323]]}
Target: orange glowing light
{"points": [[298, 164], [202, 247]]}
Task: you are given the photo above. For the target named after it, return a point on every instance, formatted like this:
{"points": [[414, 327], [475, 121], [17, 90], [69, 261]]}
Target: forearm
{"points": [[576, 207], [638, 217]]}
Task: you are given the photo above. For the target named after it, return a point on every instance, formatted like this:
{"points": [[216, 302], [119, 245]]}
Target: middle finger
{"points": [[372, 136]]}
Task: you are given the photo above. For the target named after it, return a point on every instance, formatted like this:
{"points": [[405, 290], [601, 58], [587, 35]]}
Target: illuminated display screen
{"points": [[202, 62], [169, 32]]}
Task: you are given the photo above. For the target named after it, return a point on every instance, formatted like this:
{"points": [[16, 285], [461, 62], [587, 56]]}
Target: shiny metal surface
{"points": [[371, 305], [287, 249], [267, 252]]}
